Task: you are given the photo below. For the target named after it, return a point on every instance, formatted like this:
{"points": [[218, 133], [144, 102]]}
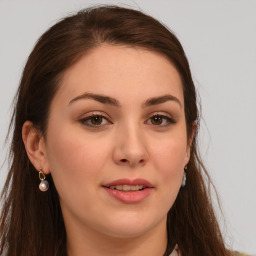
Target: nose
{"points": [[130, 148]]}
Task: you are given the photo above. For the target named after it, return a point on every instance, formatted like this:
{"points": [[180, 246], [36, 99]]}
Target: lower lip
{"points": [[129, 197]]}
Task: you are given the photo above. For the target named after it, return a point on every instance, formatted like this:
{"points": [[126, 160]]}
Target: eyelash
{"points": [[167, 119], [85, 120]]}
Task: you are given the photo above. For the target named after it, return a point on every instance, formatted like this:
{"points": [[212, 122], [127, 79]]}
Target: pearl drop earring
{"points": [[183, 183], [44, 184]]}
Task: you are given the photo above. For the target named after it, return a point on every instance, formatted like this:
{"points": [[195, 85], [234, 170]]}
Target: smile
{"points": [[128, 187], [129, 191]]}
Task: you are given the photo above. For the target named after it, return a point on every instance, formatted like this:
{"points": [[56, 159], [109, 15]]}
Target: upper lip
{"points": [[130, 182]]}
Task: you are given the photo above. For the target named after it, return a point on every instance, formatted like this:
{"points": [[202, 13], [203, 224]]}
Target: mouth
{"points": [[129, 185], [128, 188], [129, 191]]}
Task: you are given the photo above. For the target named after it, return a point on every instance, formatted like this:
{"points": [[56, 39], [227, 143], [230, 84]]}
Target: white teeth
{"points": [[127, 187], [119, 187], [137, 187]]}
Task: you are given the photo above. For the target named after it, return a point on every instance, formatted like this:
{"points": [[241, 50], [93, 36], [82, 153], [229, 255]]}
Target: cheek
{"points": [[75, 161], [168, 164], [169, 161], [170, 156]]}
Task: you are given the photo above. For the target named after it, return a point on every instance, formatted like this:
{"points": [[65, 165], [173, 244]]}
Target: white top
{"points": [[175, 252]]}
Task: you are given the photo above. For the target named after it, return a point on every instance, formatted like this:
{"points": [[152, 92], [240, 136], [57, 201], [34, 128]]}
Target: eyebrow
{"points": [[100, 98], [114, 102], [161, 99]]}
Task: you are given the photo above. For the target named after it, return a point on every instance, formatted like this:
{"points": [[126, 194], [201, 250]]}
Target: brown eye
{"points": [[156, 120], [96, 120], [160, 120]]}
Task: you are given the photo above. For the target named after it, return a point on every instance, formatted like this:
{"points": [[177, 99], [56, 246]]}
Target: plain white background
{"points": [[219, 38]]}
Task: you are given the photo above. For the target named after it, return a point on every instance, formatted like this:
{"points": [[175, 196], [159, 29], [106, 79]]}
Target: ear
{"points": [[35, 147], [190, 141]]}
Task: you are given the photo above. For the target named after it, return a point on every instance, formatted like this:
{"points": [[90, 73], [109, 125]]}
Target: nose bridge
{"points": [[133, 137], [130, 146]]}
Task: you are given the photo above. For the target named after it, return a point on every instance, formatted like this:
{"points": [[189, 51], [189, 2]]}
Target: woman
{"points": [[107, 116]]}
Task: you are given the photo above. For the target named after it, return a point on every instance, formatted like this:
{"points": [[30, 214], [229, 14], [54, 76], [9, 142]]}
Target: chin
{"points": [[130, 233], [128, 227]]}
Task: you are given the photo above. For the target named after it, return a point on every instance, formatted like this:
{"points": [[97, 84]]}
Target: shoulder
{"points": [[175, 251], [232, 253], [240, 254]]}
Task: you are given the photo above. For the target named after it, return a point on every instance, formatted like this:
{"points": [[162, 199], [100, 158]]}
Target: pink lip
{"points": [[130, 197], [135, 182]]}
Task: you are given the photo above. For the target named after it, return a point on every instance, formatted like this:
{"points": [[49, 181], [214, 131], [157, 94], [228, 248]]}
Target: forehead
{"points": [[121, 71]]}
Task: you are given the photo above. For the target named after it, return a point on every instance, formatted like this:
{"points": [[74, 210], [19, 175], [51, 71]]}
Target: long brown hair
{"points": [[31, 223]]}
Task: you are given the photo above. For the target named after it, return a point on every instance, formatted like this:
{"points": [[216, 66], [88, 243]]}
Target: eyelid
{"points": [[89, 115], [94, 113], [160, 113], [165, 115]]}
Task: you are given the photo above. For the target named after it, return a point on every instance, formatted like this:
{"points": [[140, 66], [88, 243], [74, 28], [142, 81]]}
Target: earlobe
{"points": [[35, 146]]}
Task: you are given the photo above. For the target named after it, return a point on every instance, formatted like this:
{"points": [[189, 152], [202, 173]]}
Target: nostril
{"points": [[123, 160]]}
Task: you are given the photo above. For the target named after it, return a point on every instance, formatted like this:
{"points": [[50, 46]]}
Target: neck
{"points": [[92, 243]]}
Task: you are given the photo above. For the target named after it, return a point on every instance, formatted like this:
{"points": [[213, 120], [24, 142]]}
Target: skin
{"points": [[128, 142]]}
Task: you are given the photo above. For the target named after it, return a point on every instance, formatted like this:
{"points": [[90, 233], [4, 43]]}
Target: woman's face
{"points": [[116, 142]]}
